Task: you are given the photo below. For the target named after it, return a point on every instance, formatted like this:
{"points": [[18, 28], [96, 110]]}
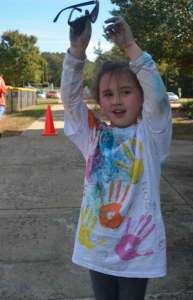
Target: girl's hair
{"points": [[112, 68]]}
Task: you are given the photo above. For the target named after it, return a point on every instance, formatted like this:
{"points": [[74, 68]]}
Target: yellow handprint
{"points": [[86, 232], [136, 170]]}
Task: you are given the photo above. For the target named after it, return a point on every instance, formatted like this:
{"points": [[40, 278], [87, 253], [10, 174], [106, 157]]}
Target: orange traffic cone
{"points": [[49, 124]]}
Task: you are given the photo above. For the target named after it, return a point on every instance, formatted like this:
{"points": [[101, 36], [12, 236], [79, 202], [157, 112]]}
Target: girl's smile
{"points": [[119, 113], [120, 99]]}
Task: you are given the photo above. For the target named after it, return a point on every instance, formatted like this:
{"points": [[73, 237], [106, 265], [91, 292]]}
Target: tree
{"points": [[114, 54], [19, 58], [101, 57], [88, 73], [162, 28], [54, 65]]}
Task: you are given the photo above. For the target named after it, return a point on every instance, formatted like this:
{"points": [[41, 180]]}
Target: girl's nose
{"points": [[116, 99]]}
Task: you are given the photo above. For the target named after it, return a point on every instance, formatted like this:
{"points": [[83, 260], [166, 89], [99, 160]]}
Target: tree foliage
{"points": [[54, 66], [114, 54], [19, 58], [162, 28], [88, 73]]}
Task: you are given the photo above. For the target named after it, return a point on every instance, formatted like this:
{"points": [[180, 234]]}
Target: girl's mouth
{"points": [[119, 113]]}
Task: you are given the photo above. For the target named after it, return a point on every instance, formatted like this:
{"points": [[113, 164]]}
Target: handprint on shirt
{"points": [[95, 161], [136, 169], [109, 213], [94, 122], [86, 229], [127, 248]]}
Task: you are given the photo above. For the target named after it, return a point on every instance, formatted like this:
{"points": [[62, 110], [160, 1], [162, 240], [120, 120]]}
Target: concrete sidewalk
{"points": [[41, 184]]}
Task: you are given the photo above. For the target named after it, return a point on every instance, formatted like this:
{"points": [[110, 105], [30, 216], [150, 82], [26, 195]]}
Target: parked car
{"points": [[172, 97], [53, 94], [41, 94]]}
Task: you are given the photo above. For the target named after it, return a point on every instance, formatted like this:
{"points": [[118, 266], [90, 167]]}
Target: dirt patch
{"points": [[181, 116]]}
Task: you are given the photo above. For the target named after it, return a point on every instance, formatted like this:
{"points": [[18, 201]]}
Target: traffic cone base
{"points": [[49, 124], [50, 133]]}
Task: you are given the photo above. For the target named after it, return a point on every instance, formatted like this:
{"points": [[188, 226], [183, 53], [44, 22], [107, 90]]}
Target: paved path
{"points": [[41, 184], [176, 105]]}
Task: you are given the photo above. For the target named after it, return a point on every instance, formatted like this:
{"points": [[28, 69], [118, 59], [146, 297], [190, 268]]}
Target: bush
{"points": [[188, 108]]}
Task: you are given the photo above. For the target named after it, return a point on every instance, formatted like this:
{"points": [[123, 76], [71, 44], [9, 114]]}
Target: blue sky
{"points": [[36, 18]]}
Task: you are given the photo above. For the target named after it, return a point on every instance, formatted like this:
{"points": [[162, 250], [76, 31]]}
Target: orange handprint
{"points": [[109, 213]]}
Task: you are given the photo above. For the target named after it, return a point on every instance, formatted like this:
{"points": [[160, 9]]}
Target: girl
{"points": [[120, 236]]}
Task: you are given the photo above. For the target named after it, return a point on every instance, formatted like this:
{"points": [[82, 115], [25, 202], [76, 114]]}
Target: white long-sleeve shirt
{"points": [[120, 230]]}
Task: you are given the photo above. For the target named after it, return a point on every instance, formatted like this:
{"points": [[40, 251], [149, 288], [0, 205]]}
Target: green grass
{"points": [[14, 124], [185, 99]]}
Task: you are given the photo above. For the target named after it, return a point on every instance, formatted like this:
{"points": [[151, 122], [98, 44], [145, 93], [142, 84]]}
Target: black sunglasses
{"points": [[78, 25]]}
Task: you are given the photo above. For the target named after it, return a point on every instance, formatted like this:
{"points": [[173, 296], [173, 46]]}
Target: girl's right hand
{"points": [[79, 43]]}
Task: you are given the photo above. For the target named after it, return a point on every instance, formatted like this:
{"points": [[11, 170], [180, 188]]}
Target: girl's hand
{"points": [[122, 36], [79, 43], [120, 32]]}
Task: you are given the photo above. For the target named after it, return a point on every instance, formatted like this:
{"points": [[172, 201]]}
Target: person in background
{"points": [[3, 91]]}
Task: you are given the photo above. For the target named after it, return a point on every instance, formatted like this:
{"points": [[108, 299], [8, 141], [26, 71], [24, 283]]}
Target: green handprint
{"points": [[136, 169], [86, 232]]}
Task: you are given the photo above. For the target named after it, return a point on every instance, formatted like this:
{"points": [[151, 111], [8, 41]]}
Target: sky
{"points": [[36, 18]]}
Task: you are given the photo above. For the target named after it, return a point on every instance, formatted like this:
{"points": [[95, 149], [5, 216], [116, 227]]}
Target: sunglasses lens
{"points": [[94, 14], [79, 26]]}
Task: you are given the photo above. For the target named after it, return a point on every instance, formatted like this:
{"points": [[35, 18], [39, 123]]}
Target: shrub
{"points": [[188, 108]]}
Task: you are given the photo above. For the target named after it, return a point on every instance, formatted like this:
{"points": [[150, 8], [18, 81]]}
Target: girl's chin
{"points": [[122, 125]]}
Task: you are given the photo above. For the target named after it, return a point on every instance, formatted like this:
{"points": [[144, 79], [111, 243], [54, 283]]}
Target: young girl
{"points": [[120, 236]]}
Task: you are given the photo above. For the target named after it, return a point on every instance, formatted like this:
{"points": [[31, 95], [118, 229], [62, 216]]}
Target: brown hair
{"points": [[112, 68]]}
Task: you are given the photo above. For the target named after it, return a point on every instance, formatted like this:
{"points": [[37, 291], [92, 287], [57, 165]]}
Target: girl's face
{"points": [[120, 99]]}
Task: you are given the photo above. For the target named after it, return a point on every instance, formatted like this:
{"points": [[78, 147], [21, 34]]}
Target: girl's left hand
{"points": [[120, 32]]}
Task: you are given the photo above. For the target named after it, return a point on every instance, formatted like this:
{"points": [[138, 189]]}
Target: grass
{"points": [[185, 99], [15, 123], [182, 125]]}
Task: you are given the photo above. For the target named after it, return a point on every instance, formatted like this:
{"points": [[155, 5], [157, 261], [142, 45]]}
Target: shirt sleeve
{"points": [[80, 125], [72, 93], [156, 108]]}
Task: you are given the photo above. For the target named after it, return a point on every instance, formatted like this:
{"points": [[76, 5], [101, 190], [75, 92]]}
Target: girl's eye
{"points": [[126, 92], [108, 95]]}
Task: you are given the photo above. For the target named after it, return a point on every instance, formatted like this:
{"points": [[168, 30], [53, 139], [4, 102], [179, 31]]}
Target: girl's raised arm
{"points": [[156, 104], [72, 76]]}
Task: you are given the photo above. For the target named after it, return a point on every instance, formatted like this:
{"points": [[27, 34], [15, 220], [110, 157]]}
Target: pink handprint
{"points": [[128, 245]]}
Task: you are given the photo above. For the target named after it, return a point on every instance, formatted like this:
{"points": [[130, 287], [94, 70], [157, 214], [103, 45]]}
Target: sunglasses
{"points": [[78, 25]]}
